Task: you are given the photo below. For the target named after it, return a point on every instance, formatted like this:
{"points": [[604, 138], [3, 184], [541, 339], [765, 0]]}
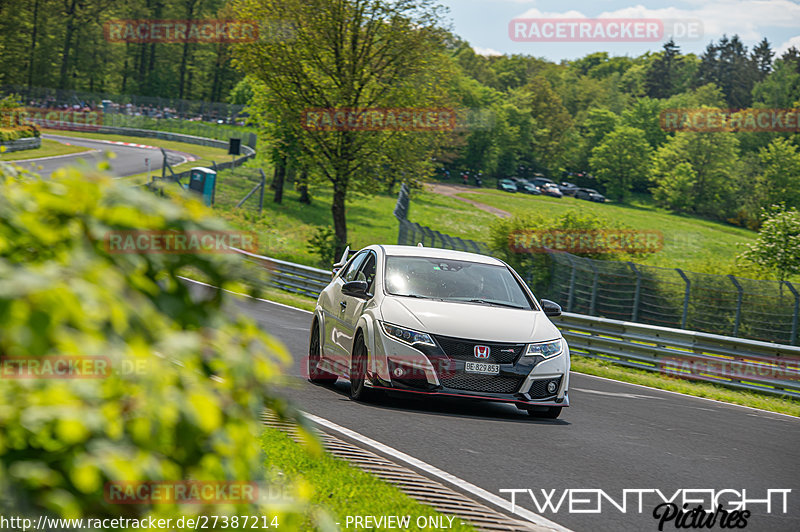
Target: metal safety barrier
{"points": [[289, 276], [736, 362]]}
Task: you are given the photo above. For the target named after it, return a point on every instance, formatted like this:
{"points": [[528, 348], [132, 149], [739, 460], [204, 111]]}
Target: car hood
{"points": [[469, 321]]}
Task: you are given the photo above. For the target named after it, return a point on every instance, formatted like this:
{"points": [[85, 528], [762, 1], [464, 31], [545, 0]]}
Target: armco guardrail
{"points": [[291, 277], [737, 362], [164, 135]]}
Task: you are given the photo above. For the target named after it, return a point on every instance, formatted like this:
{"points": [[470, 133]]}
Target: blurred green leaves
{"points": [[187, 381]]}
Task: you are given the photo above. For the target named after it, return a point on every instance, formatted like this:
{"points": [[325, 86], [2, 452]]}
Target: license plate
{"points": [[483, 368]]}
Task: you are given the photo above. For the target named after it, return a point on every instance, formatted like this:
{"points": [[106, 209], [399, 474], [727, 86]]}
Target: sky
{"points": [[485, 24]]}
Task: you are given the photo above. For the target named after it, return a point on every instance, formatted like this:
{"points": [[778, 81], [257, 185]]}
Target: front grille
{"points": [[483, 383], [465, 350], [539, 388]]}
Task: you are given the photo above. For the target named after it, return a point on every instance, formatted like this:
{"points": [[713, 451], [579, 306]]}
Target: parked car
{"points": [[590, 194], [567, 188], [551, 189], [521, 184], [507, 185], [541, 181], [529, 188], [441, 323]]}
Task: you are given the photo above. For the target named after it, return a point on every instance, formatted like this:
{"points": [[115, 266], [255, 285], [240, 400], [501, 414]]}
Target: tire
{"points": [[358, 371], [551, 412], [317, 376]]}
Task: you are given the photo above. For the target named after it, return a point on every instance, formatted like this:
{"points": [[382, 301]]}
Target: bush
{"points": [[191, 410], [535, 267], [323, 244]]}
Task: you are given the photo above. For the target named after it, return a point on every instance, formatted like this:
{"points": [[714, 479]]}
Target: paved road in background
{"points": [[615, 436], [129, 160]]}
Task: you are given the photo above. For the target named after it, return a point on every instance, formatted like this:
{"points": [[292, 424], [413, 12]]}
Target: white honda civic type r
{"points": [[442, 323]]}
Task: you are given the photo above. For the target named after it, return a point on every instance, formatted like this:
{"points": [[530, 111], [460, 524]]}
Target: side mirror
{"points": [[336, 267], [550, 308], [355, 289]]}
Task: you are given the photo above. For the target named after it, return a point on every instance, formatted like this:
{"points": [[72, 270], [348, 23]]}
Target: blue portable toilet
{"points": [[203, 181]]}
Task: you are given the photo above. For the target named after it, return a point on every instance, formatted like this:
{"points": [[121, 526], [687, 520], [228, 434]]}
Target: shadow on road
{"points": [[442, 406]]}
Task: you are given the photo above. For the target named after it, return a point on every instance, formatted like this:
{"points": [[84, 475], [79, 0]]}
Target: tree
{"points": [[551, 120], [780, 89], [622, 159], [349, 54], [598, 124], [645, 114], [708, 188], [662, 76], [777, 248], [762, 57], [779, 180], [728, 65]]}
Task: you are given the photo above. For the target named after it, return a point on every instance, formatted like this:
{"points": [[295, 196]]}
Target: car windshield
{"points": [[454, 280]]}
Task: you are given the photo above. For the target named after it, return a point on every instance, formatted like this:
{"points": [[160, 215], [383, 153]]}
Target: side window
{"points": [[352, 268], [367, 272]]}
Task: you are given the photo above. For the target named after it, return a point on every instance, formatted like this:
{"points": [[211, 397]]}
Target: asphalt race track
{"points": [[129, 160], [614, 437]]}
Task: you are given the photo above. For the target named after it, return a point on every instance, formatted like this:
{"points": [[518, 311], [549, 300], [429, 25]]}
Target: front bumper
{"points": [[434, 371]]}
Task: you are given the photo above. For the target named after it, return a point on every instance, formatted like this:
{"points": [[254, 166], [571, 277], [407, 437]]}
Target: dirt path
{"points": [[452, 190]]}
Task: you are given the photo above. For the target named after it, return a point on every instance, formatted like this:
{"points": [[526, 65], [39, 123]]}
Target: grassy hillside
{"points": [[284, 229], [689, 242]]}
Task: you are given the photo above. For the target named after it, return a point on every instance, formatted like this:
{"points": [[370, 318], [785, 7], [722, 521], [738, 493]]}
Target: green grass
{"points": [[336, 487], [205, 155], [592, 366], [285, 229], [691, 243], [49, 148]]}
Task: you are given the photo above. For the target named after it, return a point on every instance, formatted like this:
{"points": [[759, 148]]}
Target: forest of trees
{"points": [[598, 115]]}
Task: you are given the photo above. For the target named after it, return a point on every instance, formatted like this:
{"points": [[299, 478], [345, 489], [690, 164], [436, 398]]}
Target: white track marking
{"points": [[438, 473]]}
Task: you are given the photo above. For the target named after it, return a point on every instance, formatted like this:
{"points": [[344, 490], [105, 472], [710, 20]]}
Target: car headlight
{"points": [[407, 336], [545, 349]]}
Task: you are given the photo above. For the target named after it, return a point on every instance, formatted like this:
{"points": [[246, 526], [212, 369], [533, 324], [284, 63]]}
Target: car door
{"points": [[352, 307], [337, 348]]}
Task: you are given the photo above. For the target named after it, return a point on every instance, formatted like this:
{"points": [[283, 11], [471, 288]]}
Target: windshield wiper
{"points": [[496, 303]]}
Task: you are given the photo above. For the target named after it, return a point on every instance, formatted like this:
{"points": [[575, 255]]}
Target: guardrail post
{"points": [[261, 195], [796, 316], [571, 296], [738, 304], [426, 232], [685, 297], [593, 302], [637, 292], [402, 232]]}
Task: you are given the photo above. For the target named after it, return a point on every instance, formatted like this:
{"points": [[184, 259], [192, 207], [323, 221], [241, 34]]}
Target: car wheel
{"points": [[358, 371], [550, 412], [315, 375]]}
